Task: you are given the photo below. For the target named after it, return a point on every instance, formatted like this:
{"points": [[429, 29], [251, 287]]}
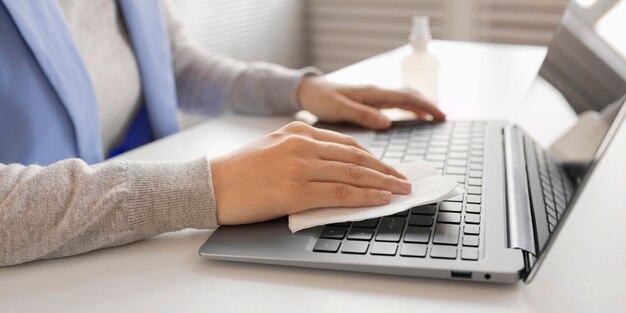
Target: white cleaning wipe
{"points": [[428, 187]]}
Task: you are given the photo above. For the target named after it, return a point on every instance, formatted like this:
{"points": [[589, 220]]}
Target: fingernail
{"points": [[383, 121], [405, 185], [385, 195]]}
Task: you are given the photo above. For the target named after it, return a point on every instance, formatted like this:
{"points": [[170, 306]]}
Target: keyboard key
{"points": [[470, 241], [471, 229], [461, 163], [447, 206], [446, 234], [384, 248], [416, 151], [472, 208], [354, 247], [343, 224], [331, 232], [455, 170], [326, 245], [551, 220], [412, 158], [390, 229], [417, 234], [361, 234], [473, 190], [475, 182], [458, 155], [421, 220], [476, 174], [478, 146], [438, 150], [396, 147], [551, 228], [419, 143], [447, 217], [435, 157], [458, 148], [476, 151], [472, 218], [476, 167], [382, 137], [469, 254], [443, 252], [413, 250], [370, 223], [476, 159], [460, 141], [428, 209], [441, 135], [474, 199], [439, 142]]}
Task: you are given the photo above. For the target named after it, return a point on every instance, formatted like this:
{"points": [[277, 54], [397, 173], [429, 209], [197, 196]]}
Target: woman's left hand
{"points": [[360, 104]]}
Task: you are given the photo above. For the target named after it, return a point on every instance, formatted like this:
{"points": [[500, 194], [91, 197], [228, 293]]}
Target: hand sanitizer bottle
{"points": [[420, 68]]}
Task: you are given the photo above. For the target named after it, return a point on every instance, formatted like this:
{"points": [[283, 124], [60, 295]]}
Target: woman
{"points": [[84, 80]]}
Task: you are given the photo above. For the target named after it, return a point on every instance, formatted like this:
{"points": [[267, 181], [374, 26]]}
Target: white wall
{"points": [[251, 30]]}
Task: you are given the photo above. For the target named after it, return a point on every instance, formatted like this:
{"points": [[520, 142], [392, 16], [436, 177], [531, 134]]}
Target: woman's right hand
{"points": [[297, 168]]}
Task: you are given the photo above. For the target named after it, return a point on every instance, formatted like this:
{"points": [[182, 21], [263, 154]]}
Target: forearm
{"points": [[70, 208], [206, 82]]}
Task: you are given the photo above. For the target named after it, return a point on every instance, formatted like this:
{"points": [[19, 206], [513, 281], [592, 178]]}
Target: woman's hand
{"points": [[360, 104], [297, 168]]}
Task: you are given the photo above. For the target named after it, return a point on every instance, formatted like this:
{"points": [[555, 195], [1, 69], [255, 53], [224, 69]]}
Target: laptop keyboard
{"points": [[557, 189], [447, 230]]}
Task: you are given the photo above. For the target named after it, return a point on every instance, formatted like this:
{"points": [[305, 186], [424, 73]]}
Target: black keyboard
{"points": [[447, 230], [556, 187]]}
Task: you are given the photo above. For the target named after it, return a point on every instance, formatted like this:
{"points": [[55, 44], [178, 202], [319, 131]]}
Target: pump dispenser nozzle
{"points": [[420, 32]]}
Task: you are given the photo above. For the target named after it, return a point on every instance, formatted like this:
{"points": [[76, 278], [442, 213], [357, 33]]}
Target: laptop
{"points": [[520, 177]]}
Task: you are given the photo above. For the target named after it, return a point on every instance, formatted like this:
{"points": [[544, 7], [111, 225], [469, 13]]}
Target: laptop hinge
{"points": [[520, 231]]}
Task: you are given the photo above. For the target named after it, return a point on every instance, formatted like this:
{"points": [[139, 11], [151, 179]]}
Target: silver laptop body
{"points": [[517, 192]]}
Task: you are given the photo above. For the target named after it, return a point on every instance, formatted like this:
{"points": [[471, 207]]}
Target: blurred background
{"points": [[331, 34]]}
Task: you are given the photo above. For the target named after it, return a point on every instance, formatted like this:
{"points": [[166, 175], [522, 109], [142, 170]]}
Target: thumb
{"points": [[362, 114]]}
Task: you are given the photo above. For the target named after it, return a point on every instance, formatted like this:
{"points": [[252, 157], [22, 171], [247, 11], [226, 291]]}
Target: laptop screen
{"points": [[581, 85]]}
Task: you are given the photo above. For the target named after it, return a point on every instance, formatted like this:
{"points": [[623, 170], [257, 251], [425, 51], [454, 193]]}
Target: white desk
{"points": [[584, 272]]}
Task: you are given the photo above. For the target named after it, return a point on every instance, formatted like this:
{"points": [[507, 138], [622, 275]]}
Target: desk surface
{"points": [[165, 274]]}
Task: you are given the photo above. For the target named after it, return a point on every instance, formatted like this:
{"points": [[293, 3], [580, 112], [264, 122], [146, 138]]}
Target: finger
{"points": [[358, 176], [341, 153], [300, 128], [361, 114], [402, 100], [331, 136], [323, 195]]}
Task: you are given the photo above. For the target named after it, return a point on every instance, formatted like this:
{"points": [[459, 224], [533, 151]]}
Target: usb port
{"points": [[461, 274]]}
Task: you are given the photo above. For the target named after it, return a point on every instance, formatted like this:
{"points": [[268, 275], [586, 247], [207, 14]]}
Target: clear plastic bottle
{"points": [[420, 69]]}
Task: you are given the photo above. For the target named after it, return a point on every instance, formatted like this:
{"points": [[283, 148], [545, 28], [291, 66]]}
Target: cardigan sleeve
{"points": [[70, 208], [206, 82]]}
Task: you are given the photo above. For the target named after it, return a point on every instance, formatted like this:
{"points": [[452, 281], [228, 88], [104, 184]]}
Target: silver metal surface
{"points": [[519, 219]]}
